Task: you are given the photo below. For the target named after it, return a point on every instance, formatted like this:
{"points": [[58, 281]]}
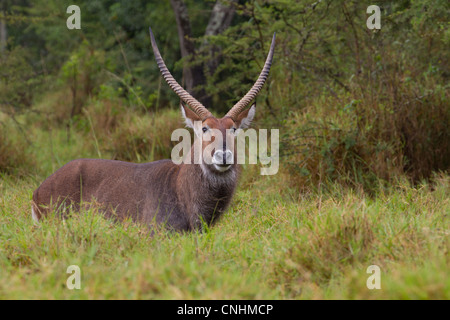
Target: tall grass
{"points": [[133, 136], [266, 247], [14, 158], [391, 128], [273, 243]]}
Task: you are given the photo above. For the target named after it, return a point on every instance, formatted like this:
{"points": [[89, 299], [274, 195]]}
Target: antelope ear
{"points": [[245, 118], [189, 116]]}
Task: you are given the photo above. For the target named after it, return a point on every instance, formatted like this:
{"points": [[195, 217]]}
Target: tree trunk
{"points": [[219, 21], [194, 75]]}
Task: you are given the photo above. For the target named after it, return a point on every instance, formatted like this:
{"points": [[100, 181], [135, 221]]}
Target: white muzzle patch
{"points": [[222, 160]]}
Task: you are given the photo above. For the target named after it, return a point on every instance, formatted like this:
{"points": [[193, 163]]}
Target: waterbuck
{"points": [[181, 196]]}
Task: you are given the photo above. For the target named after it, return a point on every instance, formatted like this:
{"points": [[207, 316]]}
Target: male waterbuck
{"points": [[181, 196]]}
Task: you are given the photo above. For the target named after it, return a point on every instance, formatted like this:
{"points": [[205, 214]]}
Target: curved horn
{"points": [[196, 106], [245, 101]]}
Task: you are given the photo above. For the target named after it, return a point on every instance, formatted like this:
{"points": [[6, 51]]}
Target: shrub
{"points": [[13, 152], [383, 127], [130, 135]]}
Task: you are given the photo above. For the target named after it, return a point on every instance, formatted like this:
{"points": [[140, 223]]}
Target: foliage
{"points": [[82, 73], [14, 154], [18, 81], [128, 136], [365, 147]]}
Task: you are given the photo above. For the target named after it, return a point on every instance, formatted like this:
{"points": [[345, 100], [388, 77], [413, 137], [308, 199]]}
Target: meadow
{"points": [[273, 243], [363, 117]]}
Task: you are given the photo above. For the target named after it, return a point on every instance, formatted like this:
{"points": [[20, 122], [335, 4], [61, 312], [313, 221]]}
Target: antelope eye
{"points": [[205, 129]]}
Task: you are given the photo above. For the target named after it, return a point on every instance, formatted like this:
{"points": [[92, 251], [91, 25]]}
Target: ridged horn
{"points": [[245, 101], [195, 105]]}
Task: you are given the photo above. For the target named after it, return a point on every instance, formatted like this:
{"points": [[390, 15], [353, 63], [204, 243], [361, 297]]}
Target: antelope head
{"points": [[209, 128]]}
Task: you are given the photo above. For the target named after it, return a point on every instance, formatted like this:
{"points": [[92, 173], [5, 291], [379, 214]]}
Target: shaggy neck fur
{"points": [[205, 192]]}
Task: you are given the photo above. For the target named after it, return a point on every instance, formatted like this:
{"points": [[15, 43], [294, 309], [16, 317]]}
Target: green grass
{"points": [[266, 247], [273, 243]]}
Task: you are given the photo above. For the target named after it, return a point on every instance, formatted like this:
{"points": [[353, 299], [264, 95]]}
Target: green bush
{"points": [[15, 158]]}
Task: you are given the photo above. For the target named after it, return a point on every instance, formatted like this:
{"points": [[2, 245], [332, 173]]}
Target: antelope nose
{"points": [[223, 157]]}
